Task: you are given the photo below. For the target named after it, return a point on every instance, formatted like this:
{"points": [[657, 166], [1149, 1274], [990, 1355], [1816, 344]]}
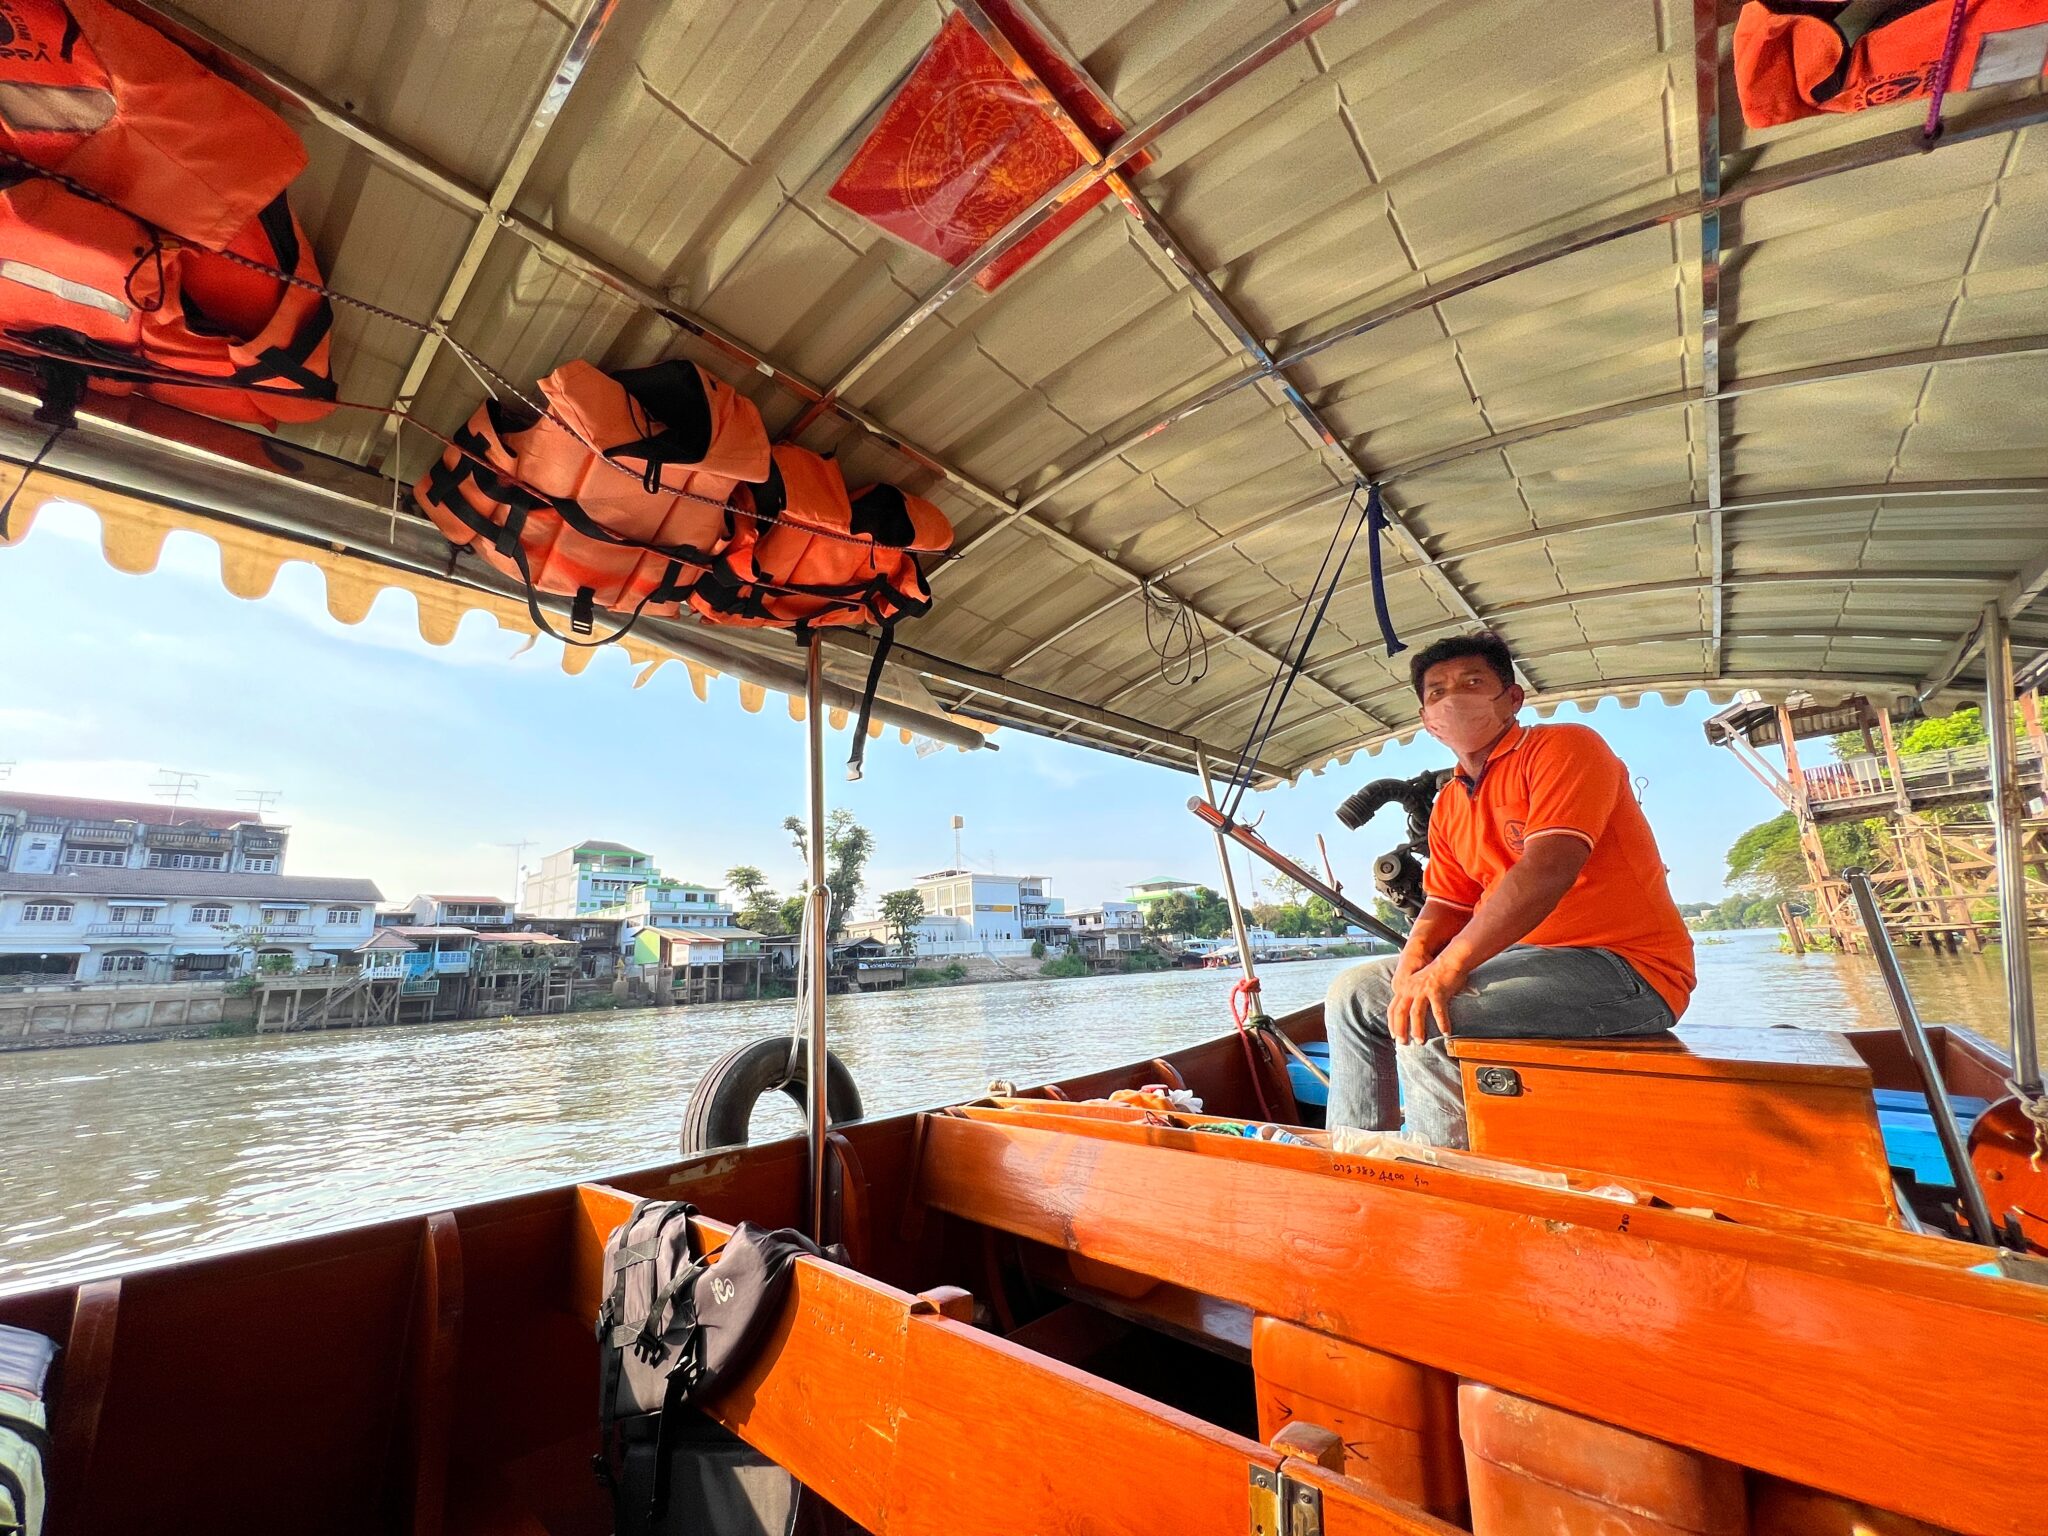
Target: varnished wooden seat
{"points": [[1770, 1116]]}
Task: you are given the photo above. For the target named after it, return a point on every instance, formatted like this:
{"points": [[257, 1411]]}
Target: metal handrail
{"points": [[1922, 1052]]}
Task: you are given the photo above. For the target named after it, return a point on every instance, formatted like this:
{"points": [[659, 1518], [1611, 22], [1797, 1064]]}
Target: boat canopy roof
{"points": [[1672, 404]]}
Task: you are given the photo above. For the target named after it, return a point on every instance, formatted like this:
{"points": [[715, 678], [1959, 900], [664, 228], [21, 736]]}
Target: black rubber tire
{"points": [[722, 1104]]}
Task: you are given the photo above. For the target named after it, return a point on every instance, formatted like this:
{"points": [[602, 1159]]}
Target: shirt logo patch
{"points": [[1515, 833]]}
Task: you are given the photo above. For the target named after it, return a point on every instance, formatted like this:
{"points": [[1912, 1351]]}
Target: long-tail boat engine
{"points": [[1397, 873]]}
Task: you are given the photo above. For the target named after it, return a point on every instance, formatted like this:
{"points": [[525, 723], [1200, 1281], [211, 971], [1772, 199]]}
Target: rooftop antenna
{"points": [[959, 858], [260, 800], [173, 785], [6, 768], [518, 863]]}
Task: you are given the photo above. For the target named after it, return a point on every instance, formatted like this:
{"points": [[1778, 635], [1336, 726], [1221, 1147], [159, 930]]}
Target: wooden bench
{"points": [[1736, 1341], [912, 1422], [1779, 1117]]}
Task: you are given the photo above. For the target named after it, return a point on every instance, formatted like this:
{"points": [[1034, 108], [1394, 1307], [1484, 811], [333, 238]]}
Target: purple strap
{"points": [[1942, 69]]}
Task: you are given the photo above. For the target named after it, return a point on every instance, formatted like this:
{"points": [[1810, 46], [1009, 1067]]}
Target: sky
{"points": [[416, 765]]}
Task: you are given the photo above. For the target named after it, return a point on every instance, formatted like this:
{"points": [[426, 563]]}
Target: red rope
{"points": [[1244, 999], [1942, 69]]}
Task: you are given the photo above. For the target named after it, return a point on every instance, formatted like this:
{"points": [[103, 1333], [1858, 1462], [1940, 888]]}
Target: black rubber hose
{"points": [[1415, 796]]}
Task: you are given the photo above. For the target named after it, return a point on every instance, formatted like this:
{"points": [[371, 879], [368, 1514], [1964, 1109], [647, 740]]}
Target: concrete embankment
{"points": [[36, 1018]]}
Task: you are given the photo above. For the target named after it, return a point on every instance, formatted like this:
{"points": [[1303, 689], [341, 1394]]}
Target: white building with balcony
{"points": [[1114, 928], [971, 913], [588, 877], [55, 834], [439, 911], [96, 924], [665, 905]]}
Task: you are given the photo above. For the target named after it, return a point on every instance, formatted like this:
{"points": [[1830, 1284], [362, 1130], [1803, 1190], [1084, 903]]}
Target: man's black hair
{"points": [[1484, 644]]}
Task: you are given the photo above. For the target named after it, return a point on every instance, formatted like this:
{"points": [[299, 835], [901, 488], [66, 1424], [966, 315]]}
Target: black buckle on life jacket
{"points": [[583, 611]]}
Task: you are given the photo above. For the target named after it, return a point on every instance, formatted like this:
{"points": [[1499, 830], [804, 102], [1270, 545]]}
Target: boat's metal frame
{"points": [[1268, 361], [1982, 1228], [1089, 1190], [2006, 812], [817, 935]]}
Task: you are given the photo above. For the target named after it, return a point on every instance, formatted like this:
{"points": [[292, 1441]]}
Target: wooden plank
{"points": [[1313, 1153], [1746, 1055], [1799, 1131], [1830, 1367], [913, 1424], [83, 1373], [436, 1341]]}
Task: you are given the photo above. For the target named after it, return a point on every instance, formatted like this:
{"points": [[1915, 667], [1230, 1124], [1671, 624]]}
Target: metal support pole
{"points": [[2008, 853], [1237, 922], [1918, 1047], [815, 932]]}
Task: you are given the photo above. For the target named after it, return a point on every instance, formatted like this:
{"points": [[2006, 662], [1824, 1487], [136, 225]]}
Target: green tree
{"points": [[848, 846], [1964, 728], [1765, 862], [760, 908], [1171, 916], [1196, 914], [903, 911], [789, 914], [1212, 914], [1390, 914], [1323, 918]]}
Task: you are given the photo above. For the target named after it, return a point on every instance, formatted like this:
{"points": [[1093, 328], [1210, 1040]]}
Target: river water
{"points": [[111, 1156]]}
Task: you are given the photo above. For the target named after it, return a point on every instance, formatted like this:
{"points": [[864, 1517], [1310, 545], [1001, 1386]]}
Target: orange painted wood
{"points": [[1744, 1055], [1169, 1074], [912, 1423], [1778, 1508], [1808, 1360], [83, 1371], [1309, 1442], [848, 1219], [945, 1301], [1315, 1153], [1536, 1470], [437, 1337], [1776, 1116], [1396, 1420]]}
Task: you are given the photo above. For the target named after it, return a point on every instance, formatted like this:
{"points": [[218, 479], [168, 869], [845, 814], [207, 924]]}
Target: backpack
{"points": [[676, 1328], [24, 1429]]}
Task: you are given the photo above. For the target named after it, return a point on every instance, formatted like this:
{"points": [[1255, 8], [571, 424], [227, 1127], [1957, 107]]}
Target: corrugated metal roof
{"points": [[1466, 237], [91, 881], [71, 807]]}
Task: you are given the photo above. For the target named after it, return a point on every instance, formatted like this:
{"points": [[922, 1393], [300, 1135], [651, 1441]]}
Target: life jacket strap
{"points": [[858, 757]]}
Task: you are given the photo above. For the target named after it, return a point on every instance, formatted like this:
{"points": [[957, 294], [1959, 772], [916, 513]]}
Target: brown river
{"points": [[116, 1156]]}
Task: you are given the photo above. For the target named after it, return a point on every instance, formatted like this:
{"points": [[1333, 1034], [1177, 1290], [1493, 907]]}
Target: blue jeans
{"points": [[1526, 992]]}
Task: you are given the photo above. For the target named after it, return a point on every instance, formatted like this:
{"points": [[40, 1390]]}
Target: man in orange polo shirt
{"points": [[1547, 915]]}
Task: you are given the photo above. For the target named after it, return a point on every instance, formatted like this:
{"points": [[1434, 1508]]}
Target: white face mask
{"points": [[1466, 722]]}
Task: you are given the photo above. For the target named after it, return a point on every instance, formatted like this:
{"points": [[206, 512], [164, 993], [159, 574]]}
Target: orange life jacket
{"points": [[144, 297], [1792, 59], [806, 555], [619, 499], [649, 489]]}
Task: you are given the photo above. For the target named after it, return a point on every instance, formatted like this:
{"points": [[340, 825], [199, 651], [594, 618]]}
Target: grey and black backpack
{"points": [[24, 1429], [674, 1329]]}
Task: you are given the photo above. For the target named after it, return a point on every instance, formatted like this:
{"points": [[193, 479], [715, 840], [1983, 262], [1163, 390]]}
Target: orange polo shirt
{"points": [[1564, 781]]}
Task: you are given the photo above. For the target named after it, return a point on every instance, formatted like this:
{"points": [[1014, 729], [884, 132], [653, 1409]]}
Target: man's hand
{"points": [[1421, 994]]}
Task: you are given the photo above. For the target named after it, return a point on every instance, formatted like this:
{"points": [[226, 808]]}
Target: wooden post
{"points": [[1792, 929], [1810, 844], [1891, 760]]}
